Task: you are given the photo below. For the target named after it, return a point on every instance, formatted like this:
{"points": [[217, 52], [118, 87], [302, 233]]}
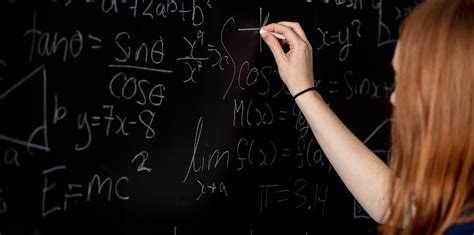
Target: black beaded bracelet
{"points": [[303, 91]]}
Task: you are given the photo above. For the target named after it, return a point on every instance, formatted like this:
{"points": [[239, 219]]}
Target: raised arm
{"points": [[366, 176]]}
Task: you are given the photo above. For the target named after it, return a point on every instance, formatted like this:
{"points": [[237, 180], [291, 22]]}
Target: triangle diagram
{"points": [[23, 114]]}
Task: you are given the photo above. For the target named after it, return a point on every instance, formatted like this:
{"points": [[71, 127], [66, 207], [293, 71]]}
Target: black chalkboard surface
{"points": [[169, 117]]}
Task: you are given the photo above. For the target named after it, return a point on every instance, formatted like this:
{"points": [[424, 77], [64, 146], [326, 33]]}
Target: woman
{"points": [[428, 188]]}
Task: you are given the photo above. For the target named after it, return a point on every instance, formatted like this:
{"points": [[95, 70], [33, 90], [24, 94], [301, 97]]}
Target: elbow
{"points": [[380, 213], [380, 218]]}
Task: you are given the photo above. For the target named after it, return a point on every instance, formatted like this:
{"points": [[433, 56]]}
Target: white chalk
{"points": [[278, 35]]}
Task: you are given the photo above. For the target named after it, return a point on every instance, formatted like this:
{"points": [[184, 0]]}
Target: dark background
{"points": [[205, 139]]}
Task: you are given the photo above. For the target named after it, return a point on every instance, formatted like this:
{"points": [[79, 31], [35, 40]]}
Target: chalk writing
{"points": [[165, 108], [257, 29], [97, 42], [301, 125], [220, 60], [356, 86], [114, 123], [402, 12], [3, 203], [232, 61], [142, 53], [341, 38], [47, 187], [359, 212], [111, 186], [144, 156], [211, 188], [3, 64], [11, 157], [251, 76], [311, 157], [256, 153], [96, 185], [43, 128], [250, 114], [155, 10], [354, 4], [60, 112], [141, 90], [203, 162], [384, 33], [194, 63], [299, 195], [51, 43]]}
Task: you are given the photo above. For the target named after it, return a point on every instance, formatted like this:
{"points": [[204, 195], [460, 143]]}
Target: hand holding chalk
{"points": [[295, 62], [278, 35]]}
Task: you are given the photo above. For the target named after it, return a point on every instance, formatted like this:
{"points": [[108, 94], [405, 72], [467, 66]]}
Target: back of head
{"points": [[433, 128]]}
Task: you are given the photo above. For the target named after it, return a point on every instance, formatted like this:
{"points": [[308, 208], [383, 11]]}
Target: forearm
{"points": [[366, 176]]}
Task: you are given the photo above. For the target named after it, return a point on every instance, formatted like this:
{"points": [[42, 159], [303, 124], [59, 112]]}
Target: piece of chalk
{"points": [[278, 35]]}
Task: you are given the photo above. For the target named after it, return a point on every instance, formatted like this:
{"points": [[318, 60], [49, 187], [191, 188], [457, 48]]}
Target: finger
{"points": [[274, 46], [296, 27], [292, 38]]}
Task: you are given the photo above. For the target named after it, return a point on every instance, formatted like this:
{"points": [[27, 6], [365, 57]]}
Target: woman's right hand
{"points": [[296, 65]]}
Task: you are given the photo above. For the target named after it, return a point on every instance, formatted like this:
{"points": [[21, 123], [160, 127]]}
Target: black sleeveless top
{"points": [[462, 229]]}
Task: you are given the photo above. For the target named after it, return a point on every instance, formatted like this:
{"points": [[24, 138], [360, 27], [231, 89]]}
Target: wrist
{"points": [[294, 86], [302, 92]]}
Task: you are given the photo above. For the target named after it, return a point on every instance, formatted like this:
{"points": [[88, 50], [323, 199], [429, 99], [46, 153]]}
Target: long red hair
{"points": [[433, 120]]}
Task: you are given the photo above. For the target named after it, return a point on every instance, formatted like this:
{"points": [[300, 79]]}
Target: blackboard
{"points": [[169, 117]]}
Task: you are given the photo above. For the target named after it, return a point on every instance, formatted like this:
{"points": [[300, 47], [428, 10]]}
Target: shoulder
{"points": [[461, 229]]}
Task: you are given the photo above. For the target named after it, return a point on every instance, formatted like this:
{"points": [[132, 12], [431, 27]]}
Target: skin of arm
{"points": [[364, 174]]}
